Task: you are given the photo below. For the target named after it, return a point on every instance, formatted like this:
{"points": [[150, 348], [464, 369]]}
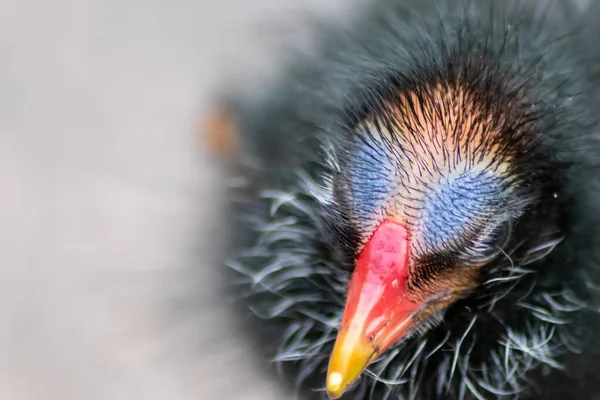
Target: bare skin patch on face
{"points": [[445, 140]]}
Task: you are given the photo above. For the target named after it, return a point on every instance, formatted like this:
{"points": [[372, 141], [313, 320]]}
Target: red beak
{"points": [[379, 308]]}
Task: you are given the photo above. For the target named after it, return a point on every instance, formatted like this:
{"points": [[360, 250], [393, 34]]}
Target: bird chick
{"points": [[412, 206]]}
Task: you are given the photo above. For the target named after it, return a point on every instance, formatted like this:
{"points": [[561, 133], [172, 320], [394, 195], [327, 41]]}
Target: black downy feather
{"points": [[529, 330]]}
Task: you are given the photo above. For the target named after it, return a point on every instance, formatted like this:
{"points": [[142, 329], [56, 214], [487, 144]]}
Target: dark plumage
{"points": [[472, 123]]}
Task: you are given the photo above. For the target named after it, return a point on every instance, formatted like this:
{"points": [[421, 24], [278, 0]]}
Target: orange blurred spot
{"points": [[220, 134]]}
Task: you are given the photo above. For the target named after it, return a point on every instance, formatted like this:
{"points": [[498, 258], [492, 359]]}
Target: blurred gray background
{"points": [[107, 200], [109, 206]]}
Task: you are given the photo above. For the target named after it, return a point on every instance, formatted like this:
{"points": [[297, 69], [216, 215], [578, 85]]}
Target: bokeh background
{"points": [[109, 206]]}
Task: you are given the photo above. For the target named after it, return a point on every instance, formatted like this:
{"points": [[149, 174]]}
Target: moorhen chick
{"points": [[415, 205]]}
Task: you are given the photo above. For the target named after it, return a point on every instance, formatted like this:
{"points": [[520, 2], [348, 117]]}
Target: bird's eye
{"points": [[490, 245]]}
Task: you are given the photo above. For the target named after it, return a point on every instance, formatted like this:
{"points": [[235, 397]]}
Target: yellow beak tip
{"points": [[335, 385], [350, 356], [334, 381]]}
